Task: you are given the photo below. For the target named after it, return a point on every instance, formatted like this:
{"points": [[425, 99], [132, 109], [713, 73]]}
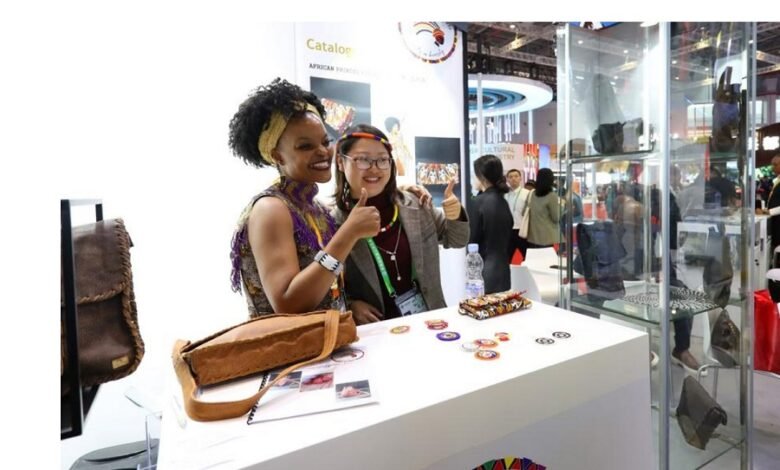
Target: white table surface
{"points": [[438, 403]]}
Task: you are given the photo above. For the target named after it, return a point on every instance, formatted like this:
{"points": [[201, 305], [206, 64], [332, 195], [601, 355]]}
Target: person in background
{"points": [[286, 252], [491, 223], [773, 205], [399, 266], [545, 212], [516, 198]]}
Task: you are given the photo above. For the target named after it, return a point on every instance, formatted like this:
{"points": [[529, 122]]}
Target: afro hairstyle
{"points": [[254, 116]]}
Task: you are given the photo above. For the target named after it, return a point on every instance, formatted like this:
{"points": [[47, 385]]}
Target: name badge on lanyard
{"points": [[411, 302]]}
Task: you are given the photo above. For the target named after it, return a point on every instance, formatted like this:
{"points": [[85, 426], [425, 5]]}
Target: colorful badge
{"points": [[486, 354], [436, 324], [400, 329], [561, 335], [502, 336], [545, 340], [448, 336], [486, 343], [471, 346]]}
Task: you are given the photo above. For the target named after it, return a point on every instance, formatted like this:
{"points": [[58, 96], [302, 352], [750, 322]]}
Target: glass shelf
{"points": [[641, 303], [610, 157], [687, 456]]}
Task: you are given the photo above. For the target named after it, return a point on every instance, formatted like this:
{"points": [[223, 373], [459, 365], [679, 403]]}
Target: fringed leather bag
{"points": [[110, 345]]}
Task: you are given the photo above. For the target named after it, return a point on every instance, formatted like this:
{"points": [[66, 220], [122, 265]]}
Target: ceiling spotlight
{"points": [[706, 69], [625, 51], [674, 62], [580, 77], [676, 78], [512, 26], [616, 77], [647, 24], [750, 42], [612, 83], [579, 42]]}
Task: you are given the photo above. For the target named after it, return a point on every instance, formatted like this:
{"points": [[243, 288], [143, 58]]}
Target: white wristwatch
{"points": [[329, 262]]}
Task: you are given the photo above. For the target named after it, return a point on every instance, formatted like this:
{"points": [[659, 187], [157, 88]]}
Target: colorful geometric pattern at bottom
{"points": [[511, 463]]}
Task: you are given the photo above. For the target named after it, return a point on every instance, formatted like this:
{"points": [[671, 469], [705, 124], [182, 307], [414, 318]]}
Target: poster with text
{"points": [[406, 79]]}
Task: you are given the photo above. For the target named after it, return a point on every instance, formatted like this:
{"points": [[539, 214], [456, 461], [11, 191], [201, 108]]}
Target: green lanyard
{"points": [[383, 270]]}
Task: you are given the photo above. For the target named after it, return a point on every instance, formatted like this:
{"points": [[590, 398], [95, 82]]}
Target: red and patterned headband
{"points": [[366, 135]]}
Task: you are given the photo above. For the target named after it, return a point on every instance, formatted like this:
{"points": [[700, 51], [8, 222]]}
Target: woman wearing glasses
{"points": [[286, 252], [396, 271]]}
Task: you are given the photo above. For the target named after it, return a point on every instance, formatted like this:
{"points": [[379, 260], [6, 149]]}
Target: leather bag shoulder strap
{"points": [[212, 411]]}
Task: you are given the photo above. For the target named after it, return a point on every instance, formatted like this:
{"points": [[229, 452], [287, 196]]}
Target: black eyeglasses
{"points": [[363, 162]]}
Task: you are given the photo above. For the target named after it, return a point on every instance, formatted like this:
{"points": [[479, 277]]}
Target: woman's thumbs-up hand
{"points": [[450, 204]]}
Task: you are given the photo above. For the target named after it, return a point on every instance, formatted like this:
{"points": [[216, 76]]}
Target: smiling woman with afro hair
{"points": [[287, 254]]}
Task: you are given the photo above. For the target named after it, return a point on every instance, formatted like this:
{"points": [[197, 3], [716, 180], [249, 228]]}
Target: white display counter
{"points": [[581, 402]]}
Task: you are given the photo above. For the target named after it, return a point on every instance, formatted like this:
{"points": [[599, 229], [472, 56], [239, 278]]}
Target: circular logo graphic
{"points": [[545, 340], [430, 41], [470, 347], [502, 336], [561, 334], [400, 329], [448, 336], [486, 354]]}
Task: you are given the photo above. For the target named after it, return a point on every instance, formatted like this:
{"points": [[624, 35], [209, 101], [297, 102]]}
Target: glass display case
{"points": [[654, 123]]}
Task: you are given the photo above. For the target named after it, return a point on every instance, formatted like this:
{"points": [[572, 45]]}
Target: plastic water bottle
{"points": [[475, 285]]}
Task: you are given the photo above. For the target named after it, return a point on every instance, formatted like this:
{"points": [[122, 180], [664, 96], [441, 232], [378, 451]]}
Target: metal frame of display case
{"points": [[76, 403], [584, 52]]}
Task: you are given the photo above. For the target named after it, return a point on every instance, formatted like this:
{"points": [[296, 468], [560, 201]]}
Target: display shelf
{"points": [[610, 157], [689, 457], [621, 89], [640, 304]]}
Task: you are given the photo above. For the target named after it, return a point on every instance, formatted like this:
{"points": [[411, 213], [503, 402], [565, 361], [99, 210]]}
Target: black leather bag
{"points": [[718, 273], [600, 252], [698, 414], [608, 138], [725, 114]]}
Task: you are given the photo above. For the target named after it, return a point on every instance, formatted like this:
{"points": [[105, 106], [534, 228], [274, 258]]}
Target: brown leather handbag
{"points": [[110, 345], [255, 346]]}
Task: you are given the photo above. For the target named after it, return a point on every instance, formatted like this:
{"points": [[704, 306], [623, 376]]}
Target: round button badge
{"points": [[502, 336], [471, 346], [400, 329], [545, 340], [448, 336], [561, 335], [486, 354], [486, 343]]}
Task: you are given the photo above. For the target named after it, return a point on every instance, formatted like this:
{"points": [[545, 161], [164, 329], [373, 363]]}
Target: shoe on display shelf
{"points": [[686, 360]]}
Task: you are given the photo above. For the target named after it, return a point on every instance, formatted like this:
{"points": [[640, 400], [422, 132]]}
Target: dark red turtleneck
{"points": [[386, 241]]}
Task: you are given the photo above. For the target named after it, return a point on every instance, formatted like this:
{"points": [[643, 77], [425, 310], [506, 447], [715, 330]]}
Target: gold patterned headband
{"points": [[278, 123]]}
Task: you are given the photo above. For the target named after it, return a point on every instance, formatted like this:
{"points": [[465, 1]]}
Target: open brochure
{"points": [[341, 381]]}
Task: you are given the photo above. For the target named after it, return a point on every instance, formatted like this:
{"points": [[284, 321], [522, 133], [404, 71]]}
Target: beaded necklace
{"points": [[395, 217]]}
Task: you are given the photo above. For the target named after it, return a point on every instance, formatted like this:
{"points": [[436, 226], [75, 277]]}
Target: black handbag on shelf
{"points": [[608, 138], [698, 414], [600, 252], [725, 114]]}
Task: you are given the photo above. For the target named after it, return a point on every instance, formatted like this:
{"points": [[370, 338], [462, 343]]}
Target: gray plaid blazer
{"points": [[426, 228]]}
